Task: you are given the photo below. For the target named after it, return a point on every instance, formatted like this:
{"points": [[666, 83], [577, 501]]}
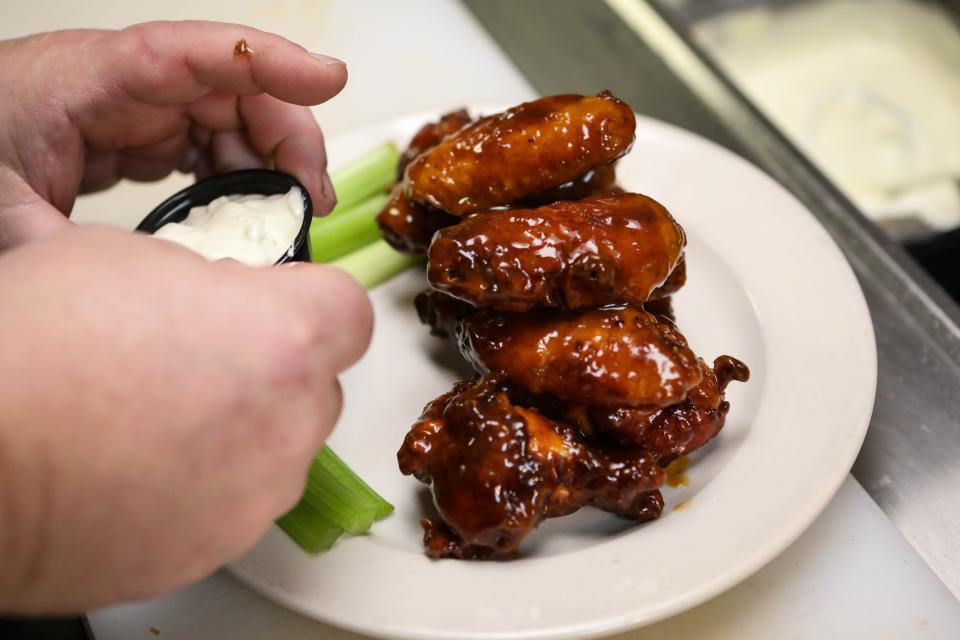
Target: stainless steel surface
{"points": [[692, 11], [717, 25], [910, 462]]}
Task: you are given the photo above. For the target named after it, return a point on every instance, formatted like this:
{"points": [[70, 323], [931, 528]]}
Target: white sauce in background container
{"points": [[868, 89], [254, 229]]}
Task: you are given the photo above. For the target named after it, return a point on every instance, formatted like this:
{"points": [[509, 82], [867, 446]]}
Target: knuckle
{"points": [[287, 352], [353, 309], [300, 425], [146, 41], [337, 320], [309, 425]]}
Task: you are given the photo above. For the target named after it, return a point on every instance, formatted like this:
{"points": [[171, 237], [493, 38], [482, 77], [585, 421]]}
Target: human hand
{"points": [[81, 109], [159, 411]]}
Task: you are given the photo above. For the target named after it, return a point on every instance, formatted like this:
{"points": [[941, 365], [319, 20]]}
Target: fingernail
{"points": [[328, 60], [326, 188]]}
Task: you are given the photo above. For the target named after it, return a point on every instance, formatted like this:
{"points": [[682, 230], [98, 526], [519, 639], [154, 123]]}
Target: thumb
{"points": [[337, 309]]}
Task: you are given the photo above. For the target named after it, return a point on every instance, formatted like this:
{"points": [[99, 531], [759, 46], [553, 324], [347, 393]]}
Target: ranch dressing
{"points": [[253, 229]]}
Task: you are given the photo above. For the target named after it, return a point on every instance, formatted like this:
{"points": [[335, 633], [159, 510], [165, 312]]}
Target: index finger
{"points": [[178, 62]]}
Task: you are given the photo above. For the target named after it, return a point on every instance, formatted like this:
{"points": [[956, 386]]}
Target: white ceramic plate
{"points": [[766, 284]]}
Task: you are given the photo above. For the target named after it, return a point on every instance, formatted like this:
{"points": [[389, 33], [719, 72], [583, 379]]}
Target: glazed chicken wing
{"points": [[441, 312], [497, 470], [673, 283], [605, 249], [661, 307], [673, 431], [408, 226], [525, 150], [612, 356], [430, 136], [594, 182], [661, 300]]}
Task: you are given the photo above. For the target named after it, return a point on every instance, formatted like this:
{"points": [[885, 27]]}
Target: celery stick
{"points": [[333, 466], [309, 528], [369, 174], [336, 499], [353, 228], [375, 263], [342, 506]]}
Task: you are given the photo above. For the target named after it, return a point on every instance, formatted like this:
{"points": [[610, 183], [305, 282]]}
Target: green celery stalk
{"points": [[309, 529], [370, 173], [330, 464], [375, 263], [353, 228], [336, 499], [344, 507]]}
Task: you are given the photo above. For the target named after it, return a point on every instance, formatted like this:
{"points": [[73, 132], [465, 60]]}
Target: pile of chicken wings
{"points": [[556, 285]]}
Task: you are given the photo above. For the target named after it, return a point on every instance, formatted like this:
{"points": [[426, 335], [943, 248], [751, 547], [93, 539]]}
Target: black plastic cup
{"points": [[245, 182]]}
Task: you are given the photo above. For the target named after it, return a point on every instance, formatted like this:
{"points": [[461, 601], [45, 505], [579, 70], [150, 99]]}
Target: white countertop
{"points": [[850, 576]]}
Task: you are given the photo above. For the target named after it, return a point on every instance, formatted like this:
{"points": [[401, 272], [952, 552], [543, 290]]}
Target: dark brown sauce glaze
{"points": [[430, 135], [662, 308], [441, 313], [525, 150], [497, 470], [612, 356], [660, 303], [601, 250], [409, 227], [594, 182], [674, 431], [242, 50], [673, 283]]}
